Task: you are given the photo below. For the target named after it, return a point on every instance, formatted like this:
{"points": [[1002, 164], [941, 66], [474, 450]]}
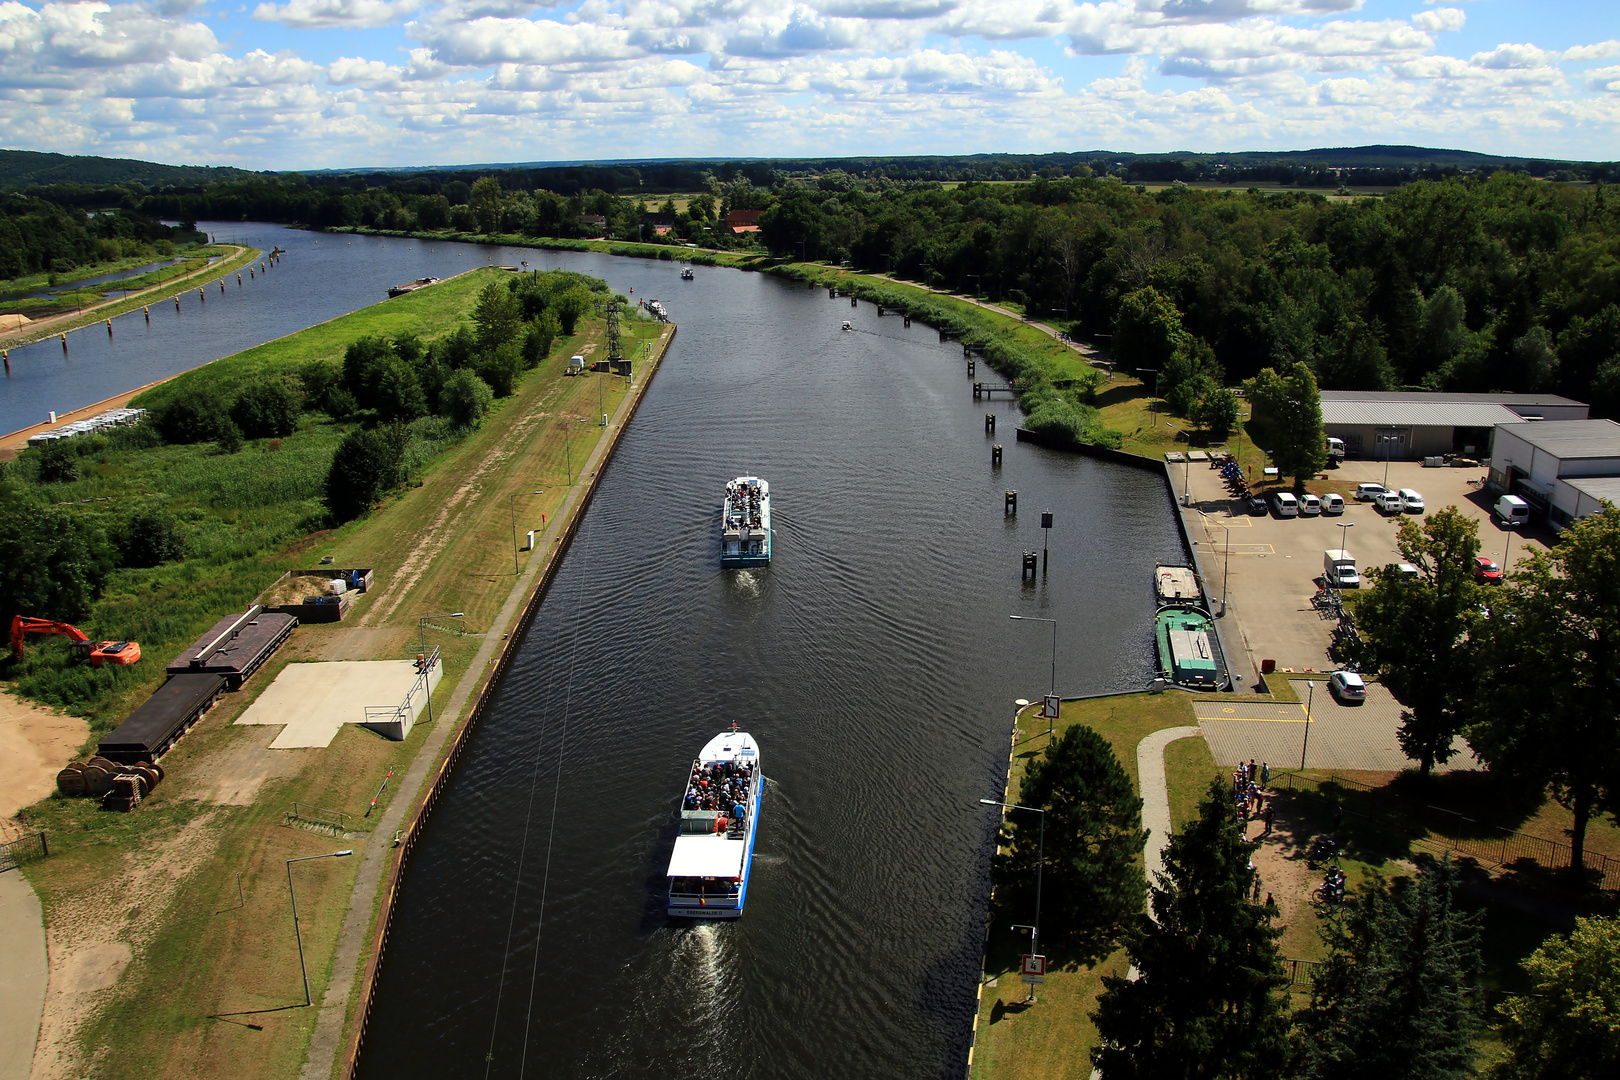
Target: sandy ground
{"points": [[91, 942], [34, 743]]}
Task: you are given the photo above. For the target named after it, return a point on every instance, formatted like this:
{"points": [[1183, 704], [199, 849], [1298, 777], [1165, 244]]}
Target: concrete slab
{"points": [[314, 701], [1344, 737], [22, 975]]}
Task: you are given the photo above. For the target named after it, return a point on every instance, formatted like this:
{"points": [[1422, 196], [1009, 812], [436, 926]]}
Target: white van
{"points": [[1368, 492], [1512, 510], [1332, 504], [1310, 506], [1284, 504], [576, 365]]}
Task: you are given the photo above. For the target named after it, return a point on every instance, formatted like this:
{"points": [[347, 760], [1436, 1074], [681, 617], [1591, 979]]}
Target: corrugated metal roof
{"points": [[1598, 487], [1446, 396], [1426, 413], [1567, 439]]}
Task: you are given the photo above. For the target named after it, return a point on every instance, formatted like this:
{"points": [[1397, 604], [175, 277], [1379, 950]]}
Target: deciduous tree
{"points": [[1287, 419], [1568, 1028]]}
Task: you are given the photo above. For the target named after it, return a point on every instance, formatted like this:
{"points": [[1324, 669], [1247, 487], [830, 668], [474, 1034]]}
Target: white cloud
{"points": [[1603, 50], [320, 14], [1440, 20]]}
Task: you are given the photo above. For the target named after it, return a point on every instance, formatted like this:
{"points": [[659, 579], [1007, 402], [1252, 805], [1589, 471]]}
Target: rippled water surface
{"points": [[874, 661]]}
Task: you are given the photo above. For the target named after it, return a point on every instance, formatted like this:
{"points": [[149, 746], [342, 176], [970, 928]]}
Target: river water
{"points": [[873, 660]]}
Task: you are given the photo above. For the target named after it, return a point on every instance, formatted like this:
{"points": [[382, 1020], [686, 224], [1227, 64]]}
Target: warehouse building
{"points": [[1564, 469], [1405, 426]]}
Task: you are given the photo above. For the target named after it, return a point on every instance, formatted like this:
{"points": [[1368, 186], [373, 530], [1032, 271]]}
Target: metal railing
{"points": [[405, 712], [1446, 829], [318, 818], [13, 853]]}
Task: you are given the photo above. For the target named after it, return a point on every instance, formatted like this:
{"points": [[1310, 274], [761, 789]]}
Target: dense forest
{"points": [[40, 236], [1459, 278]]}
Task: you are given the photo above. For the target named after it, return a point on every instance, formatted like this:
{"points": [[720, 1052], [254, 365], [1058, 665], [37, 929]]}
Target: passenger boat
{"points": [[745, 523], [719, 821], [686, 275], [1189, 652], [1176, 585]]}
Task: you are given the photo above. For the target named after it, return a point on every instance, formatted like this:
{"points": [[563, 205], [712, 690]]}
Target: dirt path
{"points": [[34, 743]]}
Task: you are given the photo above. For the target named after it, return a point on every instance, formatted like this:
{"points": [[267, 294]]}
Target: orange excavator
{"points": [[98, 653]]}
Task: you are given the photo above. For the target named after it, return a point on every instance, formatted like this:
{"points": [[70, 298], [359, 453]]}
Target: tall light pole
{"points": [[568, 452], [1153, 402], [1040, 871], [511, 506], [1053, 691], [1308, 707], [1508, 554], [298, 934], [1186, 490], [1388, 441], [1344, 532], [421, 647]]}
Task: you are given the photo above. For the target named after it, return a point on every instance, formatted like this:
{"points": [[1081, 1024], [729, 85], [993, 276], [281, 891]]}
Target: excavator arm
{"points": [[105, 652]]}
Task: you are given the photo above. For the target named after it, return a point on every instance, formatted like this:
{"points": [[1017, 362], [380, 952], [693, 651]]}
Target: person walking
{"points": [[1270, 810]]}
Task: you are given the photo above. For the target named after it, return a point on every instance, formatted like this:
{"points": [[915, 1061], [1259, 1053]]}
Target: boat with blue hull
{"points": [[745, 523], [719, 821]]}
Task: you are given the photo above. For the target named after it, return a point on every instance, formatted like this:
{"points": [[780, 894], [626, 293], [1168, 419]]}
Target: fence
{"points": [[396, 721], [13, 853], [1441, 828]]}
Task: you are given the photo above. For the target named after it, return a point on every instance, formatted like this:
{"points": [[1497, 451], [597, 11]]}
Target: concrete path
{"points": [[1154, 786], [22, 974], [326, 1042]]}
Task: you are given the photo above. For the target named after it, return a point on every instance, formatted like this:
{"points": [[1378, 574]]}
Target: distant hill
{"points": [[23, 168]]}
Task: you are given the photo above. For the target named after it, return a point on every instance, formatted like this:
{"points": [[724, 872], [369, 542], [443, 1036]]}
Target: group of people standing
{"points": [[721, 786], [1249, 796]]}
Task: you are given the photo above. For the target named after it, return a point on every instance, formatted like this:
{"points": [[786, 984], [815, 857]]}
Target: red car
{"points": [[1486, 572]]}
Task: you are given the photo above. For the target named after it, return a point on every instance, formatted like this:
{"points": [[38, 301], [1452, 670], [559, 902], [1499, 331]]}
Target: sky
{"points": [[308, 84]]}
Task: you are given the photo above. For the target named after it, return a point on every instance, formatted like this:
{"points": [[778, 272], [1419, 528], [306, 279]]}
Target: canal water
{"points": [[873, 660]]}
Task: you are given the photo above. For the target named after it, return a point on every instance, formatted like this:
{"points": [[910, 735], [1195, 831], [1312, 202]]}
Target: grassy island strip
{"points": [[209, 263], [183, 904]]}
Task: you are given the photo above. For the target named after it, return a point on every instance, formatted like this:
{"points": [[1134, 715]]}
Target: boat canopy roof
{"points": [[736, 746], [707, 856]]}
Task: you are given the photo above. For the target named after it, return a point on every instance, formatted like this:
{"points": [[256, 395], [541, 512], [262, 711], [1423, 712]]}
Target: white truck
{"points": [[1335, 451], [1339, 569]]}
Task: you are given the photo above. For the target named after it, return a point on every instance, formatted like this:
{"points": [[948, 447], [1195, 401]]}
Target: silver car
{"points": [[1347, 686]]}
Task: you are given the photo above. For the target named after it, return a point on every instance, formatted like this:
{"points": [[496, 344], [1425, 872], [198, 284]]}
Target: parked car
{"points": [[1285, 505], [1407, 571], [1332, 504], [1257, 506], [1347, 686], [1411, 501], [1368, 492], [1389, 502], [1310, 506], [1486, 572]]}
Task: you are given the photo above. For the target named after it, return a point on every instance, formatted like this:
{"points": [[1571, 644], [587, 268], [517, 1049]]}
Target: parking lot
{"points": [[1274, 562]]}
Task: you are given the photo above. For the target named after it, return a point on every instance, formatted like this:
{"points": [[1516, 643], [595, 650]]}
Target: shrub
{"points": [[339, 403], [499, 368], [465, 398], [58, 464], [267, 408], [366, 465], [196, 416], [148, 538]]}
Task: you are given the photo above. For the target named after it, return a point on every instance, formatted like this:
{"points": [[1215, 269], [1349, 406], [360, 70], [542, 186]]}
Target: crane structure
{"points": [[122, 653]]}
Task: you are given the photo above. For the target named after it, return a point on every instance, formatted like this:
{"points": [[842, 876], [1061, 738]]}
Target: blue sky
{"points": [[290, 84]]}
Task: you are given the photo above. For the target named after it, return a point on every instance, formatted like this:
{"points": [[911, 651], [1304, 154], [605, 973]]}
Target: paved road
{"points": [[22, 974]]}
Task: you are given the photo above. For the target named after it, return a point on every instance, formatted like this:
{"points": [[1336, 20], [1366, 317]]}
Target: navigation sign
{"points": [[1050, 706], [1033, 968]]}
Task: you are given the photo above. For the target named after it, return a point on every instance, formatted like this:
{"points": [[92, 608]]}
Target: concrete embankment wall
{"points": [[355, 1043]]}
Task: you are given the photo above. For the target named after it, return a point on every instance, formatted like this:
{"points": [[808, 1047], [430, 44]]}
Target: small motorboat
{"points": [[848, 325], [686, 275]]}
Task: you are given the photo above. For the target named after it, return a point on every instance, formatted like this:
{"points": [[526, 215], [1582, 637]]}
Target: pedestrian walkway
{"points": [[22, 974]]}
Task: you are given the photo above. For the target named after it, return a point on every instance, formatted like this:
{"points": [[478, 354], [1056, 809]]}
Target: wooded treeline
{"points": [[40, 236]]}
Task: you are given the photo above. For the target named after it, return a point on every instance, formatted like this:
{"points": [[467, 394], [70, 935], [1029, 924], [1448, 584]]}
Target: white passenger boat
{"points": [[745, 523], [719, 816]]}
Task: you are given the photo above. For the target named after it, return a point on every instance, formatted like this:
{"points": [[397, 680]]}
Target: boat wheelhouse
{"points": [[1176, 585], [719, 821], [745, 523]]}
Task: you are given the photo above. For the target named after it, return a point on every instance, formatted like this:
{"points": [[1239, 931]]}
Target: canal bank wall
{"points": [[404, 843]]}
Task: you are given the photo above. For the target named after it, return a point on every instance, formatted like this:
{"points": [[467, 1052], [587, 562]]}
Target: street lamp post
{"points": [[1344, 532], [1308, 707], [1053, 691], [511, 505], [1186, 490], [1388, 441], [1040, 871], [1507, 555], [568, 453], [298, 934], [421, 639], [1153, 402]]}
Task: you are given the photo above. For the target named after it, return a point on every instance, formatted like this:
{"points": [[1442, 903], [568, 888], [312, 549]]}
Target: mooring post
{"points": [[995, 455], [1031, 562], [972, 367], [854, 301], [908, 320], [989, 423], [978, 389], [1011, 505]]}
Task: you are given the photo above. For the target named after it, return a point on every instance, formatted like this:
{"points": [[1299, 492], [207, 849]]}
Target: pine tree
{"points": [[1206, 1002], [1397, 995], [1092, 883]]}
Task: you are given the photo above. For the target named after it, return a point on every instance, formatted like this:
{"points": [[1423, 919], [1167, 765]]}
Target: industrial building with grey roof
{"points": [[1404, 425]]}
